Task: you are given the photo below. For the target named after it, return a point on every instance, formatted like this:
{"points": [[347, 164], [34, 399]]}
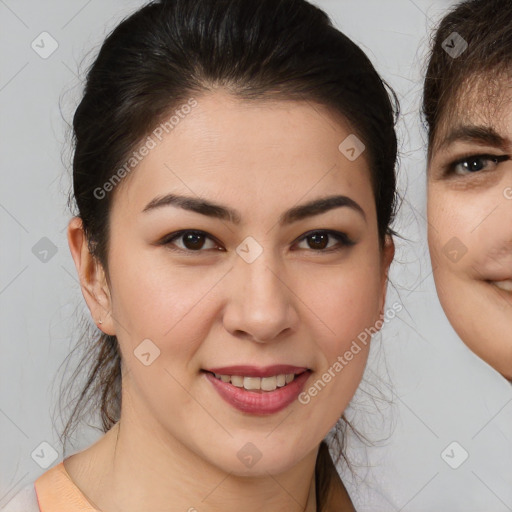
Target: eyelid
{"points": [[449, 169], [342, 238]]}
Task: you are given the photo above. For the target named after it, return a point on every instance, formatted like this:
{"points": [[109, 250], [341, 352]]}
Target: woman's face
{"points": [[278, 281], [470, 222]]}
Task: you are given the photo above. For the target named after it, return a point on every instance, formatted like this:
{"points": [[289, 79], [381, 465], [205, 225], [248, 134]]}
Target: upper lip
{"points": [[494, 281], [257, 371]]}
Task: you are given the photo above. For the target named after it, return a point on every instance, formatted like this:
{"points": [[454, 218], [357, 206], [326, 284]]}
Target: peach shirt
{"points": [[56, 492]]}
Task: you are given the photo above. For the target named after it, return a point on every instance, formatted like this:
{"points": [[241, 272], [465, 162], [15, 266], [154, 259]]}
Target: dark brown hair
{"points": [[169, 51], [486, 27]]}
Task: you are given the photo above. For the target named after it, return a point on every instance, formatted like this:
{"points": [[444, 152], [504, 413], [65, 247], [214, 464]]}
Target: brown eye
{"points": [[193, 241], [319, 240]]}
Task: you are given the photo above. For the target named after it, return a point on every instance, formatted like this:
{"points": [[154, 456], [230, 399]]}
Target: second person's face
{"points": [[470, 223]]}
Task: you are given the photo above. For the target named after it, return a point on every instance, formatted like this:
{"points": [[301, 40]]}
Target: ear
{"points": [[388, 253], [92, 277]]}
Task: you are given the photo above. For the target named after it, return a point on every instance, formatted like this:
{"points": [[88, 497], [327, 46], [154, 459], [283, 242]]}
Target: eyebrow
{"points": [[483, 135], [210, 209]]}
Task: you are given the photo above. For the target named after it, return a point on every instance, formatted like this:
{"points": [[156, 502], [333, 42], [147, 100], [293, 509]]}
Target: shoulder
{"points": [[24, 501]]}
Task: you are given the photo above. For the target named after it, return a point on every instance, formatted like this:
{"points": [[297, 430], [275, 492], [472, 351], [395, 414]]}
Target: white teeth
{"points": [[237, 381], [258, 383], [252, 383], [504, 285], [268, 383]]}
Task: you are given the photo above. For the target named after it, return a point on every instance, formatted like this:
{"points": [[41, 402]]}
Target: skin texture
{"points": [[470, 225], [176, 444]]}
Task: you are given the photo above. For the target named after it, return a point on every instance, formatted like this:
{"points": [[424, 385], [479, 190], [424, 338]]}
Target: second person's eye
{"points": [[476, 163]]}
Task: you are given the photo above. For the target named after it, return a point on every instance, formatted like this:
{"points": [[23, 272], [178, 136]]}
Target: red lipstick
{"points": [[258, 402]]}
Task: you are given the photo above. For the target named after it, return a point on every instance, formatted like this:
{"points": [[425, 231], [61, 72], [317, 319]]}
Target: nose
{"points": [[261, 305]]}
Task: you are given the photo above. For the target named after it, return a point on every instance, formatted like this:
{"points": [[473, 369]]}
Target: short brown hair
{"points": [[486, 27]]}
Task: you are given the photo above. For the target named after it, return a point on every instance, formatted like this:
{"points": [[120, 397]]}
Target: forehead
{"points": [[293, 145], [232, 134]]}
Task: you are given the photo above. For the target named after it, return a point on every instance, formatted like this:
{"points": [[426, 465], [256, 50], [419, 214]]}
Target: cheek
{"points": [[449, 239], [346, 301], [445, 218], [156, 299], [463, 230]]}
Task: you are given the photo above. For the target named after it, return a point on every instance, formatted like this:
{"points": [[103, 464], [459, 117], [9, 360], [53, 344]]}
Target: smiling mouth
{"points": [[506, 285], [258, 384]]}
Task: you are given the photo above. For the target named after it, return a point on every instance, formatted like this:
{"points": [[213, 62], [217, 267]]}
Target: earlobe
{"points": [[93, 282]]}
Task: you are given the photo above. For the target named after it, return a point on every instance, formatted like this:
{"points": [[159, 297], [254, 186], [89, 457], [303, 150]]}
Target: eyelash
{"points": [[343, 238], [450, 169]]}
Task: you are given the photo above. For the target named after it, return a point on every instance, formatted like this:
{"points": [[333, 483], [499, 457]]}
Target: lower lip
{"points": [[266, 402]]}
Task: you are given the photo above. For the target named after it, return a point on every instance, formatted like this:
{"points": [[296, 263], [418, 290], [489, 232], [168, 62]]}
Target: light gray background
{"points": [[435, 391]]}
